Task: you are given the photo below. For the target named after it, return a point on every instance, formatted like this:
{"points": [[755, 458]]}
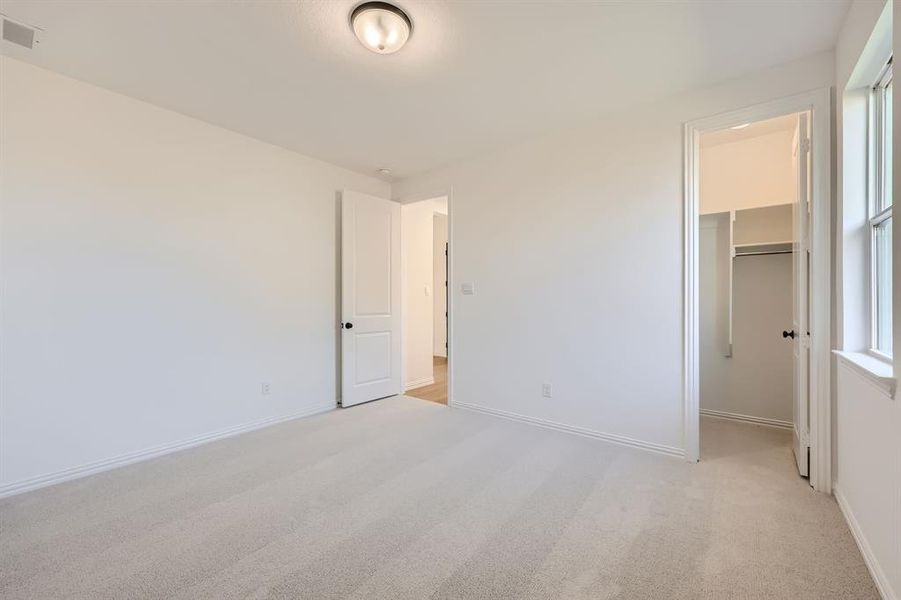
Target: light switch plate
{"points": [[468, 289]]}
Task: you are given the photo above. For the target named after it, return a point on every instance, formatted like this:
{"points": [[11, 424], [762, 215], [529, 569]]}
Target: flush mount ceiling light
{"points": [[381, 27], [742, 126]]}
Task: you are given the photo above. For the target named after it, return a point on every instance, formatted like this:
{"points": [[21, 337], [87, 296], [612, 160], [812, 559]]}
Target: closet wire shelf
{"points": [[763, 249]]}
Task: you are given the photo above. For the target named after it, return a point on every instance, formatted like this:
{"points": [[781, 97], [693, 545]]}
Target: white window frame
{"points": [[877, 212]]}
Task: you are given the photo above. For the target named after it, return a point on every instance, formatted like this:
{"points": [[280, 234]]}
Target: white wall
{"points": [[439, 277], [763, 225], [574, 244], [754, 381], [749, 173], [869, 478], [867, 420], [714, 290], [417, 230], [156, 270]]}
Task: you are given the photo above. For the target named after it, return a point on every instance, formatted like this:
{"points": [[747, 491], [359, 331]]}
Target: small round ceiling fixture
{"points": [[384, 171], [742, 126], [381, 27]]}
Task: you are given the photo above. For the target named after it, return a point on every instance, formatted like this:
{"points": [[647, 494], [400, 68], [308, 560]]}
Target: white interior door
{"points": [[799, 333], [370, 298]]}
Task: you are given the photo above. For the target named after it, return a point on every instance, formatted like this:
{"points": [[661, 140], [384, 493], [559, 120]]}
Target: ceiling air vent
{"points": [[20, 34]]}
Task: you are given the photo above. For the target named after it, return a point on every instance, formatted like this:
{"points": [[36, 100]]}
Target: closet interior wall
{"points": [[746, 303]]}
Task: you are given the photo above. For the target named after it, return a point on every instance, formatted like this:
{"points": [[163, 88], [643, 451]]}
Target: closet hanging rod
{"points": [[763, 253], [783, 247]]}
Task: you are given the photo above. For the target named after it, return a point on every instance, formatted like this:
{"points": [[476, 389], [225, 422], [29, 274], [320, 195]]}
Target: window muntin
{"points": [[881, 214]]}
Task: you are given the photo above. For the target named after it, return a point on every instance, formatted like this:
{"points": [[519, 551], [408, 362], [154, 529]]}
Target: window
{"points": [[881, 212]]}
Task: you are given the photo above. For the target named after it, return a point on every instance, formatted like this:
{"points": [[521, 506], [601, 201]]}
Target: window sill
{"points": [[879, 372]]}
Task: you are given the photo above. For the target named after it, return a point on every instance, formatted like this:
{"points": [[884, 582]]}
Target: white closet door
{"points": [[800, 310], [370, 298]]}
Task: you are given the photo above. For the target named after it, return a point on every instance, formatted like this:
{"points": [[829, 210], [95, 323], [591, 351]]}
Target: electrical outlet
{"points": [[265, 388], [546, 390]]}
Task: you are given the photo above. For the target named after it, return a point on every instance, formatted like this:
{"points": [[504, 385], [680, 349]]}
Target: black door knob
{"points": [[789, 334], [348, 325]]}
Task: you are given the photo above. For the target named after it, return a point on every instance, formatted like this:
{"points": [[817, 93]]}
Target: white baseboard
{"points": [[599, 435], [879, 577], [747, 419], [33, 483], [418, 383]]}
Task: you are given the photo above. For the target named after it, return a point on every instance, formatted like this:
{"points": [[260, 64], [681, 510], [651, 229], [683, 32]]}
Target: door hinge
{"points": [[805, 144]]}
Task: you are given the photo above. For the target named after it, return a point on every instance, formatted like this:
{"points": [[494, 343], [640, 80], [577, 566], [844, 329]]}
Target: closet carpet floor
{"points": [[408, 499]]}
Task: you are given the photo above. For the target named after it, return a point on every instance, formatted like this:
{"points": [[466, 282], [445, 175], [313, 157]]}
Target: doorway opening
{"points": [[753, 268], [425, 260], [757, 281]]}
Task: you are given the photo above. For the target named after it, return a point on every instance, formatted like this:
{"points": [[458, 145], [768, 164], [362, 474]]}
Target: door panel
{"points": [[801, 307], [370, 298]]}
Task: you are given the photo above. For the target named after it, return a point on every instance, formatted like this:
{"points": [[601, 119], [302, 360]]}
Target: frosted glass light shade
{"points": [[381, 27]]}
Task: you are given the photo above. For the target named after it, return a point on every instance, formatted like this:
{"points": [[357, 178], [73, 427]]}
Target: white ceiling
{"points": [[725, 136], [474, 76]]}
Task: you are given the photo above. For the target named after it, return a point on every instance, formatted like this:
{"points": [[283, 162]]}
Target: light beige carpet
{"points": [[404, 498]]}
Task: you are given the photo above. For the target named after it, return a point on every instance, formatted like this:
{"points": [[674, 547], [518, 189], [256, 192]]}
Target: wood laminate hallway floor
{"points": [[408, 499], [437, 391]]}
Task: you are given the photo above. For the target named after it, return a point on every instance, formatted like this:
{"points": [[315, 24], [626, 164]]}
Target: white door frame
{"points": [[819, 103], [449, 193]]}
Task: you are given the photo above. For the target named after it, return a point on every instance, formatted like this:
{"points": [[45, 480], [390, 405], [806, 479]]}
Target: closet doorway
{"points": [[753, 185]]}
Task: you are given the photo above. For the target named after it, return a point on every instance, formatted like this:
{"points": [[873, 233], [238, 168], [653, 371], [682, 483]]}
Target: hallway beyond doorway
{"points": [[434, 392]]}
